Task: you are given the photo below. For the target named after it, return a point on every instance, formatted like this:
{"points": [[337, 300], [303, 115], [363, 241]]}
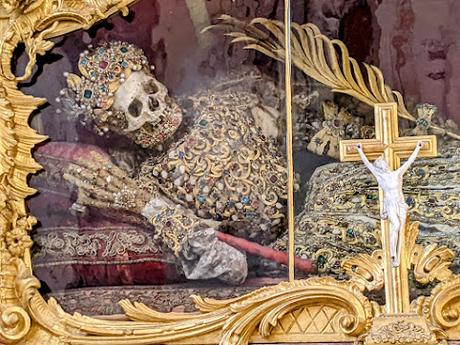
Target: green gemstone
{"points": [[88, 94], [321, 260]]}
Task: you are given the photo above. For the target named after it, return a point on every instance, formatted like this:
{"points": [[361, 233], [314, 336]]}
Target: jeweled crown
{"points": [[103, 69]]}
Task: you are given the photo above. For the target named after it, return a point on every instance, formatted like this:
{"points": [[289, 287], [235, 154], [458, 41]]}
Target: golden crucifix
{"points": [[388, 143]]}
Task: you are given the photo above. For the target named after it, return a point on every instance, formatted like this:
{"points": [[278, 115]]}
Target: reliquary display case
{"points": [[229, 172]]}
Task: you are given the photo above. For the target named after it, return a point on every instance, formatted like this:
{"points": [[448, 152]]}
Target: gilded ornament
{"points": [[337, 122], [442, 306], [261, 313], [432, 263], [400, 332], [25, 316], [366, 270]]}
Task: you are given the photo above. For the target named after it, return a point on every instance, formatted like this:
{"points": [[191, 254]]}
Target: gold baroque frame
{"points": [[317, 309]]}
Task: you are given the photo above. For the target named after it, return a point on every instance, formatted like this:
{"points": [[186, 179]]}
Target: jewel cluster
{"points": [[103, 69]]}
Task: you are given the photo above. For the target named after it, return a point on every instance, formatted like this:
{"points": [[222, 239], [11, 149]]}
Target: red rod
{"points": [[271, 254]]}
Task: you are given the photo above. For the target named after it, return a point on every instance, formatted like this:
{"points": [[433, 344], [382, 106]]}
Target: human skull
{"points": [[149, 113]]}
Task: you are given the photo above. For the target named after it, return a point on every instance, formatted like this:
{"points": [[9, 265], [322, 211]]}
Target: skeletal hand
{"points": [[103, 185]]}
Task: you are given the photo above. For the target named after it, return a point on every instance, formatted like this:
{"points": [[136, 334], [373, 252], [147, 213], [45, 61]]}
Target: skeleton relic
{"points": [[220, 171]]}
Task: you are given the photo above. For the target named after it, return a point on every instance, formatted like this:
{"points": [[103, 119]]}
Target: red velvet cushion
{"points": [[75, 250]]}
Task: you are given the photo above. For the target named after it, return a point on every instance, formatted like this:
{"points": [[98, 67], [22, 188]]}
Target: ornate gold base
{"points": [[402, 329]]}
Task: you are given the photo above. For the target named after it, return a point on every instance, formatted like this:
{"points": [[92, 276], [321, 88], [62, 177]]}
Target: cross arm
{"points": [[401, 147], [404, 146], [373, 149]]}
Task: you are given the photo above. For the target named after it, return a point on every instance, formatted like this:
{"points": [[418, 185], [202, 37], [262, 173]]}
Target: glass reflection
{"points": [[165, 173]]}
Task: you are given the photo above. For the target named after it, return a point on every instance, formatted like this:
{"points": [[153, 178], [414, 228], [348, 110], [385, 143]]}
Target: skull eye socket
{"points": [[151, 87], [135, 108]]}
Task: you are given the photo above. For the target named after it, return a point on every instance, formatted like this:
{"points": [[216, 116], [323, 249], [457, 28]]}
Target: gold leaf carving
{"points": [[443, 305], [366, 270], [400, 332], [343, 311], [432, 263], [7, 7], [261, 310], [404, 329], [15, 324], [35, 22]]}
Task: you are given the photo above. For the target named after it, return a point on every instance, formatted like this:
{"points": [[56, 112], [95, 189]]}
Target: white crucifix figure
{"points": [[394, 204], [386, 150]]}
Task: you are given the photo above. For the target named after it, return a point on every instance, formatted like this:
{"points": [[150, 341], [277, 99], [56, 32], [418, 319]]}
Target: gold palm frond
{"points": [[325, 60]]}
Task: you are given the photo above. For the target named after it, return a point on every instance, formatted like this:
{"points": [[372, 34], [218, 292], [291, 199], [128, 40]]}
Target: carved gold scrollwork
{"points": [[432, 263], [35, 22], [400, 332], [267, 308], [9, 7], [15, 324], [349, 313], [366, 270], [443, 306]]}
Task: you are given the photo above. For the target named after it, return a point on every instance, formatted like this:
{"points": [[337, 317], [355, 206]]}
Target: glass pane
{"points": [[165, 174], [337, 204]]}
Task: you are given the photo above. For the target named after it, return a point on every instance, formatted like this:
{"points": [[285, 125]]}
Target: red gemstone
{"points": [[273, 178], [103, 64]]}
